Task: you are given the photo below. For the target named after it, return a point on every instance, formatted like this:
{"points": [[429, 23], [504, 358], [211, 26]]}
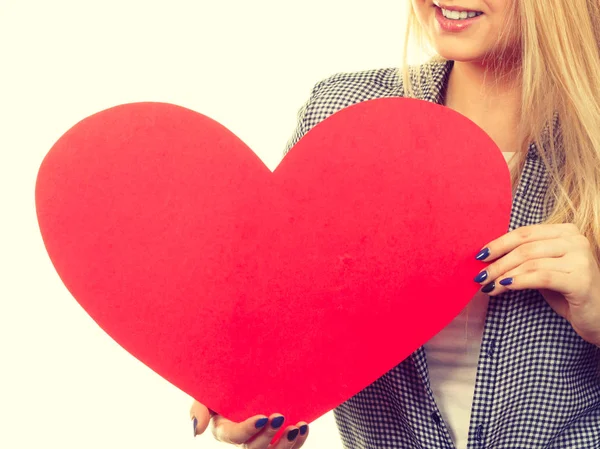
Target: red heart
{"points": [[259, 292]]}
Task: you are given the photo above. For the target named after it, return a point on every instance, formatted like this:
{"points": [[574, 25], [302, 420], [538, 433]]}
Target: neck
{"points": [[491, 100]]}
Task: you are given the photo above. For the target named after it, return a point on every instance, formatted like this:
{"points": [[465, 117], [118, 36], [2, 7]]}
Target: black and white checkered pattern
{"points": [[538, 382]]}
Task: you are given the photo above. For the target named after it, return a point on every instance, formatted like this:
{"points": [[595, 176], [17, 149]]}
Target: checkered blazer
{"points": [[538, 382]]}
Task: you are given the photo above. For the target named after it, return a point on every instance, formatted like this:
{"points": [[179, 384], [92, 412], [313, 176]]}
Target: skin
{"points": [[555, 259], [558, 261], [491, 101], [245, 434]]}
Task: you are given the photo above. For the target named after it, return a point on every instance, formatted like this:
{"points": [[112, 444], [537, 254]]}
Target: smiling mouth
{"points": [[456, 13]]}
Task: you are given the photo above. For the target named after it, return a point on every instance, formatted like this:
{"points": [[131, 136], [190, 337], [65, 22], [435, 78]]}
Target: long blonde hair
{"points": [[559, 76]]}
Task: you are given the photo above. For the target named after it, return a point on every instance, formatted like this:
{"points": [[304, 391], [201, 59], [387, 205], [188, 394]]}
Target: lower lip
{"points": [[454, 26]]}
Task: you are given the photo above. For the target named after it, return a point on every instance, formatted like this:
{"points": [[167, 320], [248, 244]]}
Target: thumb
{"points": [[200, 416]]}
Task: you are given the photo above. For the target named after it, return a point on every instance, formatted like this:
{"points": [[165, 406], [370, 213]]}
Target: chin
{"points": [[460, 53]]}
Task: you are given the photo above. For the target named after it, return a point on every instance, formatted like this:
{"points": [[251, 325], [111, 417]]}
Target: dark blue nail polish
{"points": [[483, 254], [195, 423], [506, 281], [489, 287], [292, 434], [262, 422], [303, 429], [481, 277], [277, 422]]}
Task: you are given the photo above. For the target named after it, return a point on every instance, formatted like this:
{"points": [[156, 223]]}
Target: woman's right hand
{"points": [[254, 433]]}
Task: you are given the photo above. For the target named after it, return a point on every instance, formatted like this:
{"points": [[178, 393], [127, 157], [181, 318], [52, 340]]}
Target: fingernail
{"points": [[481, 277], [195, 423], [506, 281], [483, 254], [489, 287], [303, 429], [277, 422], [262, 422], [292, 434]]}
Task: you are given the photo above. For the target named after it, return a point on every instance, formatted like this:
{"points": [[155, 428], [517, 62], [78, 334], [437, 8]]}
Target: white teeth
{"points": [[459, 15]]}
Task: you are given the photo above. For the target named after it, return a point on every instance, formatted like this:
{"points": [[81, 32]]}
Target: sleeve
{"points": [[301, 126]]}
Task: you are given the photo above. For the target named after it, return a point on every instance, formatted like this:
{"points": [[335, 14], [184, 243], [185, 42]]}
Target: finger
{"points": [[263, 439], [504, 280], [554, 248], [523, 235], [557, 281], [287, 440], [302, 435], [231, 432], [200, 416]]}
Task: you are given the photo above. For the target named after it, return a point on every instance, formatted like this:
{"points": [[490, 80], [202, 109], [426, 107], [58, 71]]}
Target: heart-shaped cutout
{"points": [[287, 291]]}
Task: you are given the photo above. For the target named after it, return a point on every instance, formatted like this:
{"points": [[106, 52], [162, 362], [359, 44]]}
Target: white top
{"points": [[452, 357]]}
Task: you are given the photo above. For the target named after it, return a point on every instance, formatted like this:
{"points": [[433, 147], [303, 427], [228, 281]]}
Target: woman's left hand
{"points": [[555, 259]]}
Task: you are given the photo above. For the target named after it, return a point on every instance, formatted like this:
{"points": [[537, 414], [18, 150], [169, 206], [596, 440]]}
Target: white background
{"points": [[248, 64]]}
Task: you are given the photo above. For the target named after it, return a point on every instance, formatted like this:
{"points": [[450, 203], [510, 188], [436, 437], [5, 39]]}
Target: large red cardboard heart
{"points": [[259, 292]]}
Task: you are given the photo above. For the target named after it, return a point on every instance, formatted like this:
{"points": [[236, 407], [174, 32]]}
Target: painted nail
{"points": [[262, 422], [483, 254], [489, 287], [303, 429], [277, 422], [195, 423], [292, 434], [481, 277], [506, 281]]}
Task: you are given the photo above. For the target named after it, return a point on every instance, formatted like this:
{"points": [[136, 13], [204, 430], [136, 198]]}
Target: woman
{"points": [[526, 374]]}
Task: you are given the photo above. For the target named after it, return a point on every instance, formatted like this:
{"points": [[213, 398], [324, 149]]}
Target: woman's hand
{"points": [[254, 433], [556, 259]]}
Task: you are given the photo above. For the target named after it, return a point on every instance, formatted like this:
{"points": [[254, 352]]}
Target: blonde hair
{"points": [[558, 72]]}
